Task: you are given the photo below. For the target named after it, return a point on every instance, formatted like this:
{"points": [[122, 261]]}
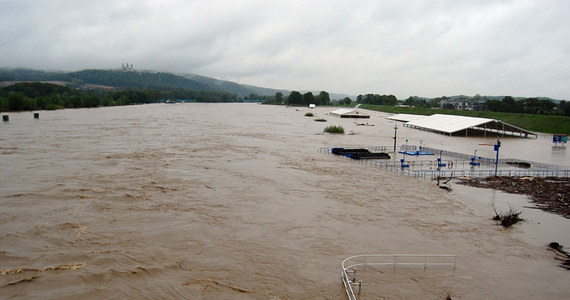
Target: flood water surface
{"points": [[234, 201]]}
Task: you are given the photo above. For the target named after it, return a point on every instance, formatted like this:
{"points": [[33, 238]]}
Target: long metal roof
{"points": [[448, 123], [452, 124], [406, 117]]}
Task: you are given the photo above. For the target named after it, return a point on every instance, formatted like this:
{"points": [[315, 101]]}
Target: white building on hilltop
{"points": [[128, 68]]}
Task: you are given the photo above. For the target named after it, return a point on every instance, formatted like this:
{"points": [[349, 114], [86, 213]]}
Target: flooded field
{"points": [[234, 201]]}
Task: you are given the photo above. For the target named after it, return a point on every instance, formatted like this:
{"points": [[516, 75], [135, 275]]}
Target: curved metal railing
{"points": [[351, 264]]}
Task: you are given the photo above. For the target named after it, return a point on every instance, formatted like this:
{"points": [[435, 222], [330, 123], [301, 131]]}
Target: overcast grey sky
{"points": [[426, 48]]}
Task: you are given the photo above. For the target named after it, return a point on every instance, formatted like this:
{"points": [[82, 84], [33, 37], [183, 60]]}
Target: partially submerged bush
{"points": [[309, 114], [509, 218], [320, 120], [334, 129]]}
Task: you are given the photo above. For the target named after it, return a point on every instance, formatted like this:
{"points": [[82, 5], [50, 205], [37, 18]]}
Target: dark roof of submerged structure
{"points": [[461, 125]]}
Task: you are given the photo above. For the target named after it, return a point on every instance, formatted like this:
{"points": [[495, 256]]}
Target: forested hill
{"points": [[236, 88], [134, 79], [157, 80], [111, 78]]}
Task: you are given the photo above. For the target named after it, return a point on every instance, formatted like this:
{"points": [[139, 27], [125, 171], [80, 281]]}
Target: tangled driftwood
{"points": [[560, 254], [549, 193], [509, 218], [444, 185]]}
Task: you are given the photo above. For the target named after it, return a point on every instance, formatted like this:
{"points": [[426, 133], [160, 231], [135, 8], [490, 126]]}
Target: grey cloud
{"points": [[427, 48]]}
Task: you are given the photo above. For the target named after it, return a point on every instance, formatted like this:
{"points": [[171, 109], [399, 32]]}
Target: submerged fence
{"points": [[454, 164]]}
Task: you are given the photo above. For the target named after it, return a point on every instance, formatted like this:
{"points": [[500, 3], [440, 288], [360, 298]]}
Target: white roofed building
{"points": [[461, 125]]}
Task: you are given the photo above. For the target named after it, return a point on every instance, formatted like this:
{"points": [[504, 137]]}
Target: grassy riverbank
{"points": [[535, 123]]}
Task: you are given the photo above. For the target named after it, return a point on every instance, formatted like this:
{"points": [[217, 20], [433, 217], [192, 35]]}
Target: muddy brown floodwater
{"points": [[234, 201]]}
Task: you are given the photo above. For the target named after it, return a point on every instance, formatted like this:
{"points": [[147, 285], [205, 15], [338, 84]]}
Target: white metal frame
{"points": [[351, 264]]}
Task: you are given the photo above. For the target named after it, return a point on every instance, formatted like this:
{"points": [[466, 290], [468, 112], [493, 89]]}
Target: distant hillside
{"points": [[112, 78], [133, 79], [142, 80], [28, 75], [241, 90], [163, 81]]}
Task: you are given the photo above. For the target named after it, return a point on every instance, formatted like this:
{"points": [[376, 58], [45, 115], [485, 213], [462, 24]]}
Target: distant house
{"points": [[458, 104], [462, 105]]}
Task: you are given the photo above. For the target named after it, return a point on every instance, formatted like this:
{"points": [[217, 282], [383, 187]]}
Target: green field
{"points": [[535, 123]]}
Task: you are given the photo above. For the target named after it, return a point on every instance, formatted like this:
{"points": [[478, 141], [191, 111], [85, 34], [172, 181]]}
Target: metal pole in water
{"points": [[497, 146], [395, 131]]}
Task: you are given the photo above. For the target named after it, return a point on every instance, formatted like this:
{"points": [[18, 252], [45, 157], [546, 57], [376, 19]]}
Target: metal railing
{"points": [[351, 264], [458, 164], [486, 173]]}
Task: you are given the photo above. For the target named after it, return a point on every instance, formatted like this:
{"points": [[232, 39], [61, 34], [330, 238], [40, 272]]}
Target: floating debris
{"points": [[560, 254], [46, 269], [216, 282], [26, 279], [519, 164], [444, 185], [360, 153]]}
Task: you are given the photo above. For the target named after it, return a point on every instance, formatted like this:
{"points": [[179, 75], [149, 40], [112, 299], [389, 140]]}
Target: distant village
{"points": [[468, 103], [462, 103]]}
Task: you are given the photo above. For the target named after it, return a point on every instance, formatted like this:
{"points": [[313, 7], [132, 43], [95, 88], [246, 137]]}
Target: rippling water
{"points": [[234, 201]]}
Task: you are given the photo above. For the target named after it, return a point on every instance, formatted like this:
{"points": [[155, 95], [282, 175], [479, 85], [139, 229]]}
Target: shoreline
{"points": [[551, 194]]}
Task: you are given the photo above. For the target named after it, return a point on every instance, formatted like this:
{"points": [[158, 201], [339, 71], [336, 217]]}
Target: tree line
{"points": [[376, 99], [298, 99], [528, 106], [507, 104], [37, 96], [323, 98]]}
